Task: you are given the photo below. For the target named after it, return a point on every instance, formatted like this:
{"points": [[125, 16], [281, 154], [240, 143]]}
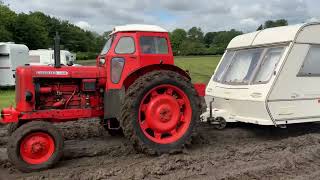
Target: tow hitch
{"points": [[217, 122]]}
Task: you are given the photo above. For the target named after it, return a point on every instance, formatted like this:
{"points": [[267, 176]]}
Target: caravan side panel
{"points": [[309, 34], [295, 98], [5, 67]]}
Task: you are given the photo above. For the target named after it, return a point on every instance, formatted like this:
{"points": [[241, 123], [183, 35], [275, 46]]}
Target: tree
{"points": [[276, 23], [260, 28], [7, 18], [221, 41], [195, 34], [5, 35], [177, 37], [190, 47], [30, 31], [209, 38]]}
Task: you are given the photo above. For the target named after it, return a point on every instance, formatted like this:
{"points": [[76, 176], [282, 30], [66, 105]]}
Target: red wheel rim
{"points": [[37, 148], [165, 114]]}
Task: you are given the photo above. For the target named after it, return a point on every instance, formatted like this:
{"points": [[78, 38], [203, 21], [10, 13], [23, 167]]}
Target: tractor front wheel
{"points": [[160, 112], [35, 146]]}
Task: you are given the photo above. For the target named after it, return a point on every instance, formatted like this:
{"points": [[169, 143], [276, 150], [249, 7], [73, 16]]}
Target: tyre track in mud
{"points": [[239, 152]]}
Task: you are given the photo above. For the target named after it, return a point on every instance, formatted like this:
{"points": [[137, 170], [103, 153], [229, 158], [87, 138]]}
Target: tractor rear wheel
{"points": [[35, 146], [159, 112]]}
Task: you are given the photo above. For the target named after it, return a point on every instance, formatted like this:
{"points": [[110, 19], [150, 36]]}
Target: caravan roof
{"points": [[302, 33]]}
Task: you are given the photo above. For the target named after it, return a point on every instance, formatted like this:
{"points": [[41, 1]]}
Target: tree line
{"points": [[196, 42], [36, 30]]}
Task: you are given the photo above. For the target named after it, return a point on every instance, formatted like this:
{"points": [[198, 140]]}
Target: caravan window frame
{"points": [[263, 59], [252, 72], [306, 74], [256, 70]]}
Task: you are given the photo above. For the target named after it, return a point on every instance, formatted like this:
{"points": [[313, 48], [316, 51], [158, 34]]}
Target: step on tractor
{"points": [[134, 89]]}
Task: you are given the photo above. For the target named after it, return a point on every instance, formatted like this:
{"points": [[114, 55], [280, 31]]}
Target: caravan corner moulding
{"points": [[268, 77], [11, 56]]}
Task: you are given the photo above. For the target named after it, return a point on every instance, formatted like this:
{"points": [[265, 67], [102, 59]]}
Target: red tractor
{"points": [[134, 89]]}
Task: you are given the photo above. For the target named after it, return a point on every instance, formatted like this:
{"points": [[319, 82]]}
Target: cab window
{"points": [[107, 46], [125, 46], [153, 45]]}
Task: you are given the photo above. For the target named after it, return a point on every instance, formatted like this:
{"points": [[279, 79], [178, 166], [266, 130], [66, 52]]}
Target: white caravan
{"points": [[11, 56], [268, 77], [46, 57]]}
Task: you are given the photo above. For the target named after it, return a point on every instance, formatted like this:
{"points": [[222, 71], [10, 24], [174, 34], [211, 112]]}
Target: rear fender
{"points": [[140, 72]]}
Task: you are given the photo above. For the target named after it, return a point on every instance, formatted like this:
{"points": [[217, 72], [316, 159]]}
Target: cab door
{"points": [[122, 59], [154, 48]]}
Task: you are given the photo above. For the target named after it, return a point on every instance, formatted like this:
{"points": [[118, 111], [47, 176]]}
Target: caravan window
{"points": [[249, 66], [243, 66], [311, 64], [223, 66], [268, 64]]}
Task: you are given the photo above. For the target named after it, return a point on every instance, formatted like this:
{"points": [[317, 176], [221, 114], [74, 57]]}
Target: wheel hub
{"points": [[163, 113], [37, 148]]}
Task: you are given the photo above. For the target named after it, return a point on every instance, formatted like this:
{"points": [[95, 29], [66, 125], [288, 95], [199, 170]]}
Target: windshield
{"points": [[242, 66], [107, 46]]}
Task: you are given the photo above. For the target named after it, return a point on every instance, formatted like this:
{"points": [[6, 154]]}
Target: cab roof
{"points": [[138, 27], [276, 35]]}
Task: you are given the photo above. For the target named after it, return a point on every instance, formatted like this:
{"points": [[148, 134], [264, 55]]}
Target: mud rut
{"points": [[239, 152]]}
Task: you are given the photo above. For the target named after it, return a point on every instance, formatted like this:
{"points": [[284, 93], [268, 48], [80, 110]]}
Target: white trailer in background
{"points": [[46, 57], [11, 56], [268, 77]]}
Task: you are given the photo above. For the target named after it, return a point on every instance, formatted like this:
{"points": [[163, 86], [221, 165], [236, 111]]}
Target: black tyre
{"points": [[35, 146], [12, 127], [113, 127], [222, 123], [159, 112]]}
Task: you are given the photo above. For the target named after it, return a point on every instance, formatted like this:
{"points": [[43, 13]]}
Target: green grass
{"points": [[6, 98], [201, 69]]}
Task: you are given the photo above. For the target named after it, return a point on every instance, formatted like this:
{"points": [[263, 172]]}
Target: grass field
{"points": [[200, 68]]}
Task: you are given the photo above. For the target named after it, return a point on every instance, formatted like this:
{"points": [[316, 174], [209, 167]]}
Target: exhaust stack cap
{"points": [[57, 61]]}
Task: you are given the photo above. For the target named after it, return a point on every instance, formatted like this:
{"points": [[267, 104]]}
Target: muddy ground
{"points": [[239, 152]]}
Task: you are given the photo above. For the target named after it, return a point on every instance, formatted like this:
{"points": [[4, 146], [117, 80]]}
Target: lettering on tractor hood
{"points": [[52, 73]]}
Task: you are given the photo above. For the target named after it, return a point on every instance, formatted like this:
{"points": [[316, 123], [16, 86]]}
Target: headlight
{"points": [[117, 65], [102, 61]]}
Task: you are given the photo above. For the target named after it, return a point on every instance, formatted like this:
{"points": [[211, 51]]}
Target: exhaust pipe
{"points": [[57, 61]]}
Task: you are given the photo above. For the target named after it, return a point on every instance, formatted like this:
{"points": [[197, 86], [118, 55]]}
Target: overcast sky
{"points": [[210, 15]]}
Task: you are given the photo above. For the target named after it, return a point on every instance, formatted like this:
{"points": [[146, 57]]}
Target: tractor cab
{"points": [[133, 47]]}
